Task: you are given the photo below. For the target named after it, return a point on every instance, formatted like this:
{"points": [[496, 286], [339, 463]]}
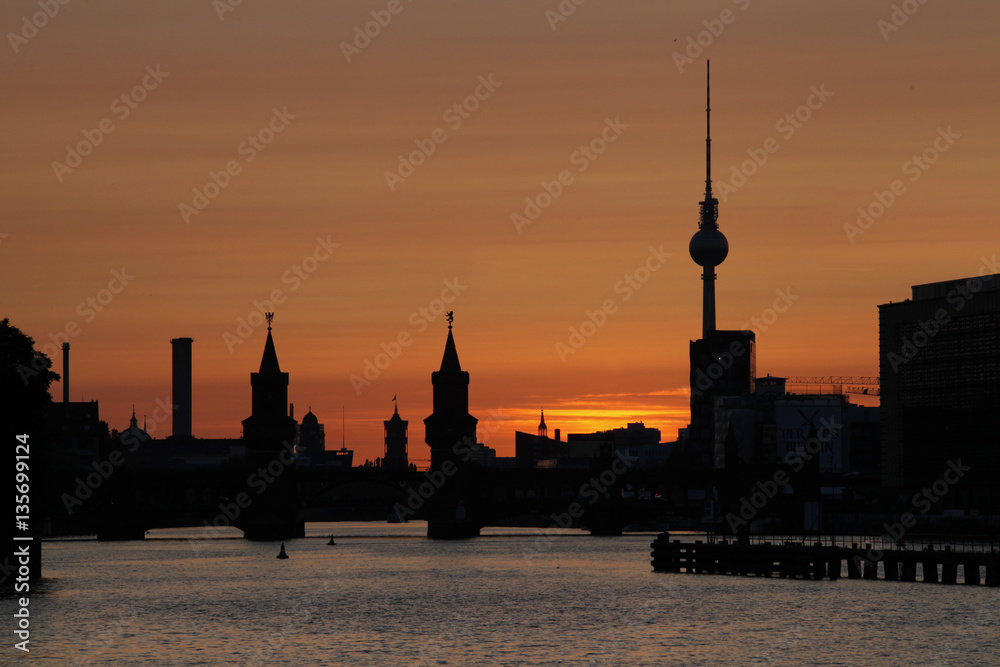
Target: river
{"points": [[385, 595]]}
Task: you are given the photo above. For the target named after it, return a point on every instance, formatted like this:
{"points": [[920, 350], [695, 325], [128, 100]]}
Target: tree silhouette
{"points": [[25, 377]]}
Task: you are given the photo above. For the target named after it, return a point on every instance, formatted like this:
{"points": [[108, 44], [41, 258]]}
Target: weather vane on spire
{"points": [[451, 317], [270, 318]]}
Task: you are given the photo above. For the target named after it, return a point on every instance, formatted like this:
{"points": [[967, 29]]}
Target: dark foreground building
{"points": [[939, 358]]}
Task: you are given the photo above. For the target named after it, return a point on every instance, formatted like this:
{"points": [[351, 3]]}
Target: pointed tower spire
{"points": [[449, 362], [450, 422], [543, 430], [708, 246], [269, 423], [269, 360], [133, 423]]}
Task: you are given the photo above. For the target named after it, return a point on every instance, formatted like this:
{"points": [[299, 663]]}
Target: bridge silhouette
{"points": [[455, 505]]}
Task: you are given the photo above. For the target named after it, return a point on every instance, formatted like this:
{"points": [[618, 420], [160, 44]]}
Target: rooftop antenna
{"points": [[343, 428]]}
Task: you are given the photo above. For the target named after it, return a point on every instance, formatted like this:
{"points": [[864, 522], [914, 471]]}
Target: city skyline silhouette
{"points": [[361, 262]]}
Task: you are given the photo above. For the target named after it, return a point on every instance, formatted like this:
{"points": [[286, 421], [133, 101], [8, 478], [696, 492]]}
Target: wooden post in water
{"points": [[970, 569], [871, 568], [993, 570], [949, 567], [909, 568], [930, 565], [818, 562], [833, 565], [890, 562], [854, 563]]}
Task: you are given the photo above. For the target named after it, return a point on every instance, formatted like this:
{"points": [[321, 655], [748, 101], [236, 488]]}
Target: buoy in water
{"points": [[331, 542], [282, 554]]}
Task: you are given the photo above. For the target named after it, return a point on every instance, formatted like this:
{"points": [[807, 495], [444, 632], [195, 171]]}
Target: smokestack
{"points": [[182, 386], [558, 436], [65, 378]]}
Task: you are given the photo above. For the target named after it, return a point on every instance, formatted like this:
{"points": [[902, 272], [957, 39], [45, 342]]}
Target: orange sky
{"points": [[887, 96]]}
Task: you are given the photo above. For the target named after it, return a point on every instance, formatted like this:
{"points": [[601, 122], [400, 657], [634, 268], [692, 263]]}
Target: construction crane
{"points": [[840, 384]]}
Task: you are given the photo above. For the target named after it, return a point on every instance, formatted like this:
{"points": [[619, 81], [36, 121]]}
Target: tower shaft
{"points": [[707, 301]]}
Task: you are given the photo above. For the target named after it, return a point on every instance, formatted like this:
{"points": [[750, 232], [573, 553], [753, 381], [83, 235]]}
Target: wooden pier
{"points": [[818, 561]]}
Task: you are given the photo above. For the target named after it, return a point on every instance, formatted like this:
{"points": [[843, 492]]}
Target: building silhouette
{"points": [[182, 398], [939, 362], [396, 438], [723, 363], [312, 436], [532, 450]]}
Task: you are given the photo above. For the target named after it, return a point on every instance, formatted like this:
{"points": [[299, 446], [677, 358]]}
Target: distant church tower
{"points": [[395, 442], [543, 431], [269, 425], [723, 363], [312, 436], [450, 424]]}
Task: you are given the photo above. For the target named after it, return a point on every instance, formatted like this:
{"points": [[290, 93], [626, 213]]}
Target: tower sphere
{"points": [[708, 247]]}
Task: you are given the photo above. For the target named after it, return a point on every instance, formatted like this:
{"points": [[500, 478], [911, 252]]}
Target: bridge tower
{"points": [[269, 434], [269, 426], [451, 435]]}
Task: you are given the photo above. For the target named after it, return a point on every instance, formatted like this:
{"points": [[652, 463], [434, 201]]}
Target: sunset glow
{"points": [[236, 162]]}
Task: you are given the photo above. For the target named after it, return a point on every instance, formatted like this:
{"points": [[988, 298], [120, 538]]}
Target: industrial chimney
{"points": [[182, 386], [65, 379]]}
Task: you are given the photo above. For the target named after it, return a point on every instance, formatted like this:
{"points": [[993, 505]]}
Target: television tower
{"points": [[708, 246]]}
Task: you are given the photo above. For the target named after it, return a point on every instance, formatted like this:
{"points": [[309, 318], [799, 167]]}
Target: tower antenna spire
{"points": [[709, 207], [708, 131]]}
